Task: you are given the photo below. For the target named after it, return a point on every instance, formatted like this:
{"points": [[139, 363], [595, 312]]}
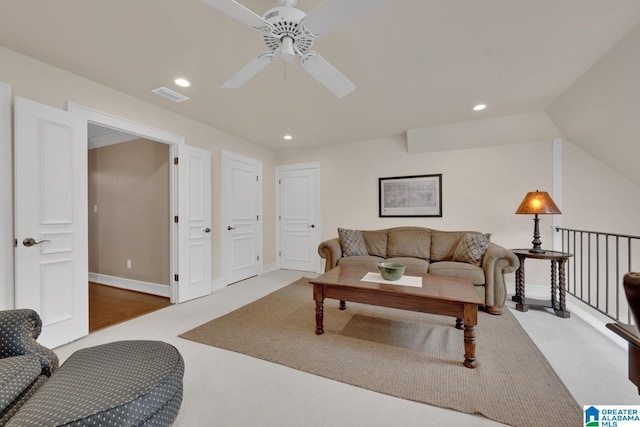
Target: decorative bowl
{"points": [[391, 270]]}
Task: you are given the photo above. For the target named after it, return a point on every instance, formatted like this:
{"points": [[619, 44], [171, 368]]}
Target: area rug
{"points": [[409, 355]]}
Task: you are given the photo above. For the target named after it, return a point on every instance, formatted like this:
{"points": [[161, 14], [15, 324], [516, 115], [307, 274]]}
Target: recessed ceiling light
{"points": [[182, 82], [287, 137], [479, 107]]}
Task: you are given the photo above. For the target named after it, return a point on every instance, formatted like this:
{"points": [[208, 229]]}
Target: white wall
{"points": [[33, 79], [597, 197], [600, 112], [482, 188]]}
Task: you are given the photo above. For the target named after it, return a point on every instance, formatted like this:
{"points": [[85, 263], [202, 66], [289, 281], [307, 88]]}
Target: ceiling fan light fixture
{"points": [[479, 107], [287, 51], [287, 137]]}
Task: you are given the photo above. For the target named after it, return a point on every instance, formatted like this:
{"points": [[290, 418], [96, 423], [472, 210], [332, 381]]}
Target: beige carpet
{"points": [[410, 355]]}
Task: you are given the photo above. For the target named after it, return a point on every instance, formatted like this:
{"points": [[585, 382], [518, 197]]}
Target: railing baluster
{"points": [[597, 270], [573, 241]]}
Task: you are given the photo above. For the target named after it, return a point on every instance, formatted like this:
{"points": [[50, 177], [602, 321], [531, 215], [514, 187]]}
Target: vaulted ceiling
{"points": [[415, 63]]}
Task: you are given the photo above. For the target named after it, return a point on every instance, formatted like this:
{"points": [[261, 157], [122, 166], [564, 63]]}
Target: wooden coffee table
{"points": [[444, 295]]}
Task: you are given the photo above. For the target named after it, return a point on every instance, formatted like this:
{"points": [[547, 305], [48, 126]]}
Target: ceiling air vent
{"points": [[170, 94]]}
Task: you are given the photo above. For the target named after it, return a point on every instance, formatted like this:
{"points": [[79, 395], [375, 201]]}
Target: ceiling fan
{"points": [[288, 32]]}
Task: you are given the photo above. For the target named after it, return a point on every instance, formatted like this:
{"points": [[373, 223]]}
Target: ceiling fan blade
{"points": [[248, 71], [326, 74], [333, 14], [239, 12]]}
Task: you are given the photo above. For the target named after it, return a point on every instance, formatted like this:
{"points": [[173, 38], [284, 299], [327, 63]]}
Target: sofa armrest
{"points": [[497, 262], [18, 332], [331, 251]]}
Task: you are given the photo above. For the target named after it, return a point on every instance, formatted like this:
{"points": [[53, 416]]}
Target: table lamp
{"points": [[537, 203]]}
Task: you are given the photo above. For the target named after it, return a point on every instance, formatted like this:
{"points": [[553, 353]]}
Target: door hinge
{"points": [[257, 217], [175, 160], [176, 277], [279, 253], [279, 217], [15, 243], [279, 182], [258, 258], [175, 219], [257, 178]]}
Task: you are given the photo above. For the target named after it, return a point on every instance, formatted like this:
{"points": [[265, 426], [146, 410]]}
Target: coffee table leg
{"points": [[459, 323], [319, 317], [318, 297], [470, 322]]}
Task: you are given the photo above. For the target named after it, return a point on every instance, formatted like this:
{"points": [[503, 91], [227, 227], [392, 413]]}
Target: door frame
{"points": [[149, 132], [318, 213], [7, 290], [226, 155]]}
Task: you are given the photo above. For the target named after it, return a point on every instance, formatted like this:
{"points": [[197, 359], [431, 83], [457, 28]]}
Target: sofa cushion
{"points": [[412, 265], [451, 268], [352, 242], [376, 242], [472, 248], [414, 243], [368, 262], [444, 243], [16, 375]]}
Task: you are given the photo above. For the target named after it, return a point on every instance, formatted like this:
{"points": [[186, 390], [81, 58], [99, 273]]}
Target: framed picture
{"points": [[410, 196]]}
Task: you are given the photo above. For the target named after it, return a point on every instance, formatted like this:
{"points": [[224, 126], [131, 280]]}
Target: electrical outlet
{"points": [[95, 208], [128, 263]]}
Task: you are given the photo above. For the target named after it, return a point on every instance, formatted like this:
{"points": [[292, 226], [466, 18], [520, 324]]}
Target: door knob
{"points": [[207, 230], [231, 227], [312, 226], [30, 241]]}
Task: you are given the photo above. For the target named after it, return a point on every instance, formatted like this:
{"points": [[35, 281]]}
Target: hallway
{"points": [[109, 305]]}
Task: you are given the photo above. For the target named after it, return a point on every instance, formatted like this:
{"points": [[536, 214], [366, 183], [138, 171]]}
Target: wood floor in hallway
{"points": [[109, 305]]}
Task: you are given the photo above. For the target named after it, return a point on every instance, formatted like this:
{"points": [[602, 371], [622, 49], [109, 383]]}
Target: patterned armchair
{"points": [[24, 363], [122, 383]]}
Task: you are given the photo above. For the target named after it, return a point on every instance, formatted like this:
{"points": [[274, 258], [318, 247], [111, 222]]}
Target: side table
{"points": [[558, 282]]}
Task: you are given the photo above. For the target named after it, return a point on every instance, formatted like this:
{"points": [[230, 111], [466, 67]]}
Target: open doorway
{"points": [[128, 226]]}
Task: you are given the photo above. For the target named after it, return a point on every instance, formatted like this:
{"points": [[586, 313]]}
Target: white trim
{"points": [[130, 284], [217, 284], [589, 315], [149, 132], [125, 125], [317, 166], [595, 319], [7, 291], [268, 268], [557, 192]]}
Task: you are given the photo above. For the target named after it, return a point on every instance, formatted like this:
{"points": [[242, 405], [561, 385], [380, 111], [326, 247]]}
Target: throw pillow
{"points": [[352, 242], [471, 248]]}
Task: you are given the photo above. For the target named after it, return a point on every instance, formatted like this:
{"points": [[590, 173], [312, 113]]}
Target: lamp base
{"points": [[536, 237]]}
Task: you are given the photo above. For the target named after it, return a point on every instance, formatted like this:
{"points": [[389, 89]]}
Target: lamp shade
{"points": [[538, 202]]}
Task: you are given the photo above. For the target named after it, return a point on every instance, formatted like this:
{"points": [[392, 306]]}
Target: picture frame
{"points": [[410, 196]]}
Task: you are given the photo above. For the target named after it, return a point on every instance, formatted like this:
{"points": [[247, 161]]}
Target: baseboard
{"points": [[130, 284], [268, 268], [218, 284], [589, 315]]}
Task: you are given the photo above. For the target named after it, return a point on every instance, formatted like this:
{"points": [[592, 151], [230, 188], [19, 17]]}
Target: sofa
{"points": [[424, 250], [122, 383]]}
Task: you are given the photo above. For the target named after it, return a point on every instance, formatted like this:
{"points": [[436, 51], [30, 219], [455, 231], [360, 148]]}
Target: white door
{"points": [[299, 216], [241, 217], [50, 178], [194, 223]]}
